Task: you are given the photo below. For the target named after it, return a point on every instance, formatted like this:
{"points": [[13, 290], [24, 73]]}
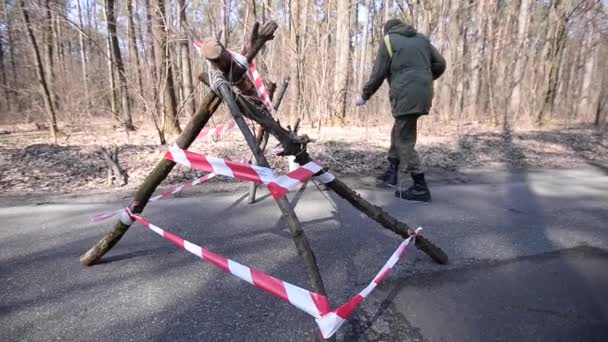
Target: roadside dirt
{"points": [[29, 164]]}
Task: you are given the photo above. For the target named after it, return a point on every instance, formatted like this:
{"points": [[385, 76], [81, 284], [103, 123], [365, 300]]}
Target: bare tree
{"points": [[552, 53], [521, 58], [5, 85], [42, 82], [83, 57], [49, 60], [11, 49], [133, 53], [185, 60], [164, 69], [294, 66], [118, 64], [342, 65]]}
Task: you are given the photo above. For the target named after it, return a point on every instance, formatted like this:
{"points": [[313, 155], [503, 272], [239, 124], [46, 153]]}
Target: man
{"points": [[410, 63]]}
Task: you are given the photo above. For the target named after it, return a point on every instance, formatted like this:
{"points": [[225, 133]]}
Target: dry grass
{"points": [[29, 164]]}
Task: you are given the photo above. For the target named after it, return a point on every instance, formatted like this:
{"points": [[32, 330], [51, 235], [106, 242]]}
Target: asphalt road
{"points": [[528, 262]]}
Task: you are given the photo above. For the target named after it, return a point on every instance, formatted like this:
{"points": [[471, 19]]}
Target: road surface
{"points": [[528, 262]]}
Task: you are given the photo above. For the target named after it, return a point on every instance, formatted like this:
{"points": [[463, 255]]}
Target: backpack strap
{"points": [[389, 48]]}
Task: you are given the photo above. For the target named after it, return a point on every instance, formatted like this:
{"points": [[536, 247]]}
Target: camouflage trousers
{"points": [[403, 143]]}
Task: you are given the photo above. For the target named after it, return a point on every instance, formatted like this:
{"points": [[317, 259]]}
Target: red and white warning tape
{"points": [[278, 186], [259, 87], [252, 73], [184, 186], [283, 184], [316, 305], [332, 321], [108, 214], [312, 303], [217, 131]]}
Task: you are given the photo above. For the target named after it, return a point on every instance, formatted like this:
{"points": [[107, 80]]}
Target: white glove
{"points": [[360, 101]]}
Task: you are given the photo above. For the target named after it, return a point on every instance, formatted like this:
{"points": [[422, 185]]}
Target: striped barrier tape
{"points": [[260, 89], [332, 321], [314, 304], [108, 214], [256, 79], [325, 177], [184, 186], [217, 131], [278, 186], [252, 73]]}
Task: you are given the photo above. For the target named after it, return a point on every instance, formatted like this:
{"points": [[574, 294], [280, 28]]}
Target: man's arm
{"points": [[379, 73], [437, 63]]}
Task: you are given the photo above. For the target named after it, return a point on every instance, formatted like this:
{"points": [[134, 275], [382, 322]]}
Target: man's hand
{"points": [[360, 101]]}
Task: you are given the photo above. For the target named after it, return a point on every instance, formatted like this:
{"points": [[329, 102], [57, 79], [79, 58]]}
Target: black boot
{"points": [[417, 192], [389, 177]]}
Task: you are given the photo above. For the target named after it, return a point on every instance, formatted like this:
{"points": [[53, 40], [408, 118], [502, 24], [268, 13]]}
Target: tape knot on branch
{"points": [[216, 78]]}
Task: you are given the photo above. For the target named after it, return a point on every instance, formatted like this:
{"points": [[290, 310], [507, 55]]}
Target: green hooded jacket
{"points": [[410, 72]]}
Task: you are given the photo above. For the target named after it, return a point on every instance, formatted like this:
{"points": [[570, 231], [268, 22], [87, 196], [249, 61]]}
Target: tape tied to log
{"points": [[240, 59], [216, 79], [326, 177], [125, 217]]}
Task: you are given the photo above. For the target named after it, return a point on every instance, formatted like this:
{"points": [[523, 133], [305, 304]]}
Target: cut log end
{"points": [[211, 48], [106, 243]]}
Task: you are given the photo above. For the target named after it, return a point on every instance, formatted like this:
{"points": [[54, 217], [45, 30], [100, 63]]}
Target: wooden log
{"points": [[259, 139], [260, 35], [153, 180], [298, 235], [278, 98], [262, 136]]}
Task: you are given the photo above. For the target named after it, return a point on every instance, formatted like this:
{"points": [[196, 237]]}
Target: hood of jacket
{"points": [[403, 29]]}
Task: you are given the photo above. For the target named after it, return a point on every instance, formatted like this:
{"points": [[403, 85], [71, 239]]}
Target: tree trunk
{"points": [[59, 47], [294, 71], [11, 51], [387, 10], [342, 65], [553, 51], [120, 68], [226, 8], [477, 51], [186, 66], [164, 69], [505, 72], [44, 87], [111, 75], [521, 58], [83, 58], [154, 78], [592, 74], [362, 63], [49, 61], [301, 59], [133, 53], [5, 86], [151, 46], [602, 103]]}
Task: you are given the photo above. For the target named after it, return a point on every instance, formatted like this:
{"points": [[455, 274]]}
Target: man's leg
{"points": [[389, 177], [406, 146]]}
